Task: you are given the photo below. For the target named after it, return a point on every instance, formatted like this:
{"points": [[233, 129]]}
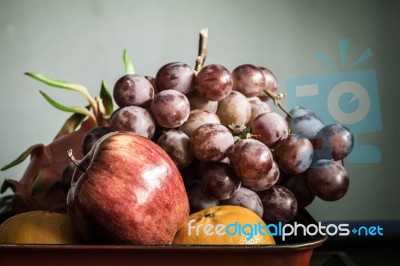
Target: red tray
{"points": [[290, 255], [296, 251]]}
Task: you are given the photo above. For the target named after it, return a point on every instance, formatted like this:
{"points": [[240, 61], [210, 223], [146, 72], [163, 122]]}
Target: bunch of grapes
{"points": [[230, 147]]}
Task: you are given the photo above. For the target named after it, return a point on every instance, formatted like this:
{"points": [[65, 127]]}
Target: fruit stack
{"points": [[218, 129]]}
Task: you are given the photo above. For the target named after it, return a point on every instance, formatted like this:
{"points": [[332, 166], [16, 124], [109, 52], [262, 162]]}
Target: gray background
{"points": [[82, 41]]}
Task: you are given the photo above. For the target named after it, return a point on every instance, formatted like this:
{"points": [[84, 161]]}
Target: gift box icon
{"points": [[349, 98]]}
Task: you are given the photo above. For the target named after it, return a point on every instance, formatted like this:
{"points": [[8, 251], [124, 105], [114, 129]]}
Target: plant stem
{"points": [[277, 100], [202, 54]]}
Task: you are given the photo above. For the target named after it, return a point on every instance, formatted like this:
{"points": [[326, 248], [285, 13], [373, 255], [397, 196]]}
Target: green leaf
{"points": [[64, 85], [71, 124], [22, 157], [129, 69], [58, 83], [72, 109], [105, 95]]}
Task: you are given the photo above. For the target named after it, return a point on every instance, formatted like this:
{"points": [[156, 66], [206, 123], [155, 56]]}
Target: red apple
{"points": [[130, 193]]}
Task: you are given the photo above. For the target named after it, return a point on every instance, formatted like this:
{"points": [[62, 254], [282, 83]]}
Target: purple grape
{"points": [[212, 142], [294, 155], [248, 199], [270, 128], [214, 82], [133, 90], [175, 76], [152, 81], [258, 107], [251, 159], [280, 204], [198, 198], [248, 80], [271, 83], [198, 102], [333, 142], [196, 119], [220, 181], [328, 179], [300, 111], [299, 186], [92, 136], [135, 119], [170, 108], [234, 110], [266, 181], [200, 166], [304, 122], [177, 145]]}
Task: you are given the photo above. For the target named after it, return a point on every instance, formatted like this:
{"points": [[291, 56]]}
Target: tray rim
{"points": [[173, 247]]}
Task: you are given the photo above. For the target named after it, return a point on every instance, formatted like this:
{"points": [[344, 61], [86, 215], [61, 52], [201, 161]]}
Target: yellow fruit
{"points": [[224, 225], [38, 227]]}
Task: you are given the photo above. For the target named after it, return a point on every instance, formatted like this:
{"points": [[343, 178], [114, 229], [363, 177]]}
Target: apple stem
{"points": [[72, 158], [202, 54], [277, 100]]}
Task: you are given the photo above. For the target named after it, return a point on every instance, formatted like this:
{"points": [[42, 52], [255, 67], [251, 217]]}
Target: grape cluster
{"points": [[229, 145]]}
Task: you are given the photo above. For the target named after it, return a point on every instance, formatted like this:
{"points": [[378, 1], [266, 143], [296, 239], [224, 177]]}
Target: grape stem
{"points": [[74, 161], [202, 54], [277, 100]]}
